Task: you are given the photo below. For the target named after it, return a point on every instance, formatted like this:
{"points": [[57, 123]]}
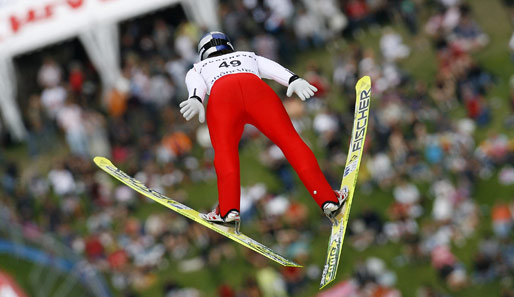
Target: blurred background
{"points": [[433, 211]]}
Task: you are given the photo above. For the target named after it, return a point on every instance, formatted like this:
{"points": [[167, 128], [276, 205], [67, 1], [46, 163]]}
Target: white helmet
{"points": [[213, 42]]}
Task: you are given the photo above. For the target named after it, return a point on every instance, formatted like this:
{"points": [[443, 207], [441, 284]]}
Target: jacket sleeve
{"points": [[272, 70], [196, 86]]}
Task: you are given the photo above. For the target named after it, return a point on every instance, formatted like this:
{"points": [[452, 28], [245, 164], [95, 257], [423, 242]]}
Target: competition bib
{"points": [[212, 69]]}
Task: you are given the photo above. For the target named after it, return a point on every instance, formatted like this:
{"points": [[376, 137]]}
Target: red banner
{"points": [[37, 13]]}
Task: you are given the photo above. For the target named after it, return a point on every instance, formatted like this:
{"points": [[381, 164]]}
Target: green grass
{"points": [[17, 269]]}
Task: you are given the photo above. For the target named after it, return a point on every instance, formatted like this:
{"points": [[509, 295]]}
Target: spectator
{"points": [[76, 78], [307, 29], [53, 98], [409, 13], [358, 13], [50, 73], [41, 135], [61, 180], [392, 46], [503, 220], [467, 34], [407, 196], [10, 178], [448, 267], [71, 120]]}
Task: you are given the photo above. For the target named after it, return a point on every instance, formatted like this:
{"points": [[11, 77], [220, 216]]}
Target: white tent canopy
{"points": [[26, 25], [101, 44]]}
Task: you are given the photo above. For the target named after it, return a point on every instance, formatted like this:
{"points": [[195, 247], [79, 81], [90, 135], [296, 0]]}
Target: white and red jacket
{"points": [[204, 74]]}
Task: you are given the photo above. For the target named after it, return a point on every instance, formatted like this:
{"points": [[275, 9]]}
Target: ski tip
{"points": [[101, 161], [363, 83], [322, 286]]}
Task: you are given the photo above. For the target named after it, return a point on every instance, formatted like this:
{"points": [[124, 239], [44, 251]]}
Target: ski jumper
{"points": [[238, 96]]}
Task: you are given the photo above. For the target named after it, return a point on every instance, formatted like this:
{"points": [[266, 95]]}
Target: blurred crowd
{"points": [[416, 149]]}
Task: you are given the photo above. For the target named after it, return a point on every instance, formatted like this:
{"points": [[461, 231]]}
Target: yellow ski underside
{"points": [[190, 213], [351, 171]]}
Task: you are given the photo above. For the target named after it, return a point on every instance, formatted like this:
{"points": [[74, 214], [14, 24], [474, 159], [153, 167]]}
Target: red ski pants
{"points": [[240, 99]]}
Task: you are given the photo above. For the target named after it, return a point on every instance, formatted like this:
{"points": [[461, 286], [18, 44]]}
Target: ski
{"points": [[230, 232], [351, 171]]}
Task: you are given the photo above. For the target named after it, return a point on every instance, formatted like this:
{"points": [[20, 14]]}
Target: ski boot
{"points": [[231, 219], [331, 209]]}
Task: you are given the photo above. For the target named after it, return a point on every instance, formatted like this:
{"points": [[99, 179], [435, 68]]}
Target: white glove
{"points": [[190, 107], [302, 88]]}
